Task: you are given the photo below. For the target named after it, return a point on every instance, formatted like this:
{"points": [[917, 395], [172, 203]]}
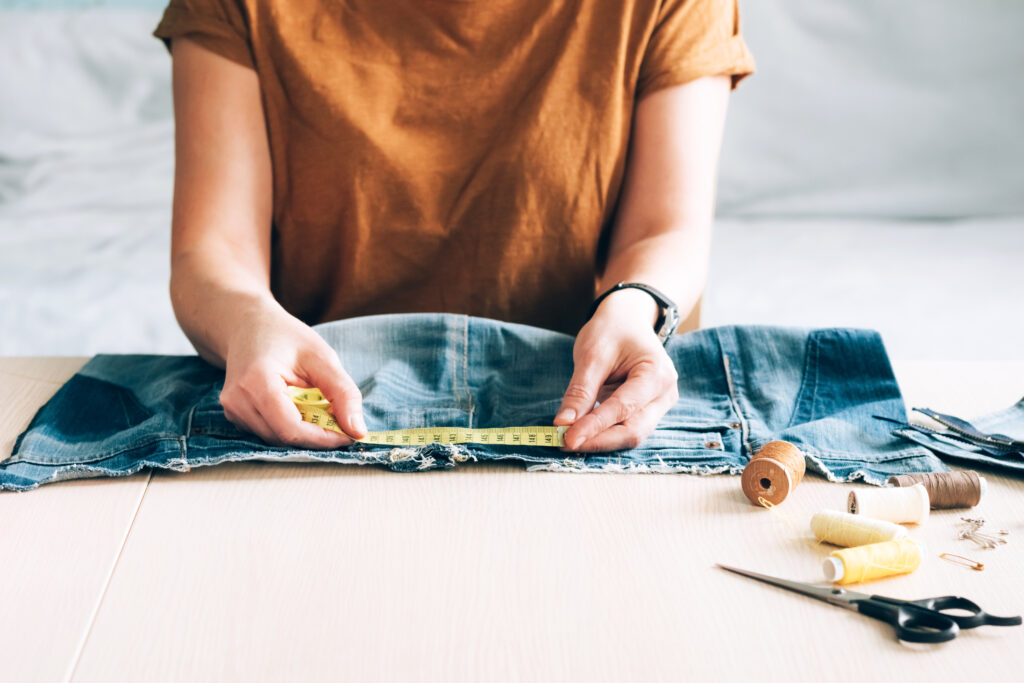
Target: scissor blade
{"points": [[834, 596]]}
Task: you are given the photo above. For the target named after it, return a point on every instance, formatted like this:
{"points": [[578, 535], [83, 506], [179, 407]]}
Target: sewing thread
{"points": [[842, 528], [773, 472], [947, 489], [873, 561], [900, 505]]}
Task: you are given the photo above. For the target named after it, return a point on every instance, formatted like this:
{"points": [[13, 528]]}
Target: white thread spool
{"points": [[841, 528], [908, 504]]}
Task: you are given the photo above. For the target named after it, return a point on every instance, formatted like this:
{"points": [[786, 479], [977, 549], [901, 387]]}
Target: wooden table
{"points": [[264, 572]]}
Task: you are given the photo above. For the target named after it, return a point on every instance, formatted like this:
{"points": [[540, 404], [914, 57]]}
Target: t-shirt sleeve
{"points": [[220, 26], [693, 39]]}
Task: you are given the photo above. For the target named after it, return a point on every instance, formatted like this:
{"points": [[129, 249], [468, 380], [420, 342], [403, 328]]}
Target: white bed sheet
{"points": [[935, 289], [86, 165]]}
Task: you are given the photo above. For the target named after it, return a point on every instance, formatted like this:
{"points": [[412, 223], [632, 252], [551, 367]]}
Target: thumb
{"points": [[337, 387], [581, 394]]}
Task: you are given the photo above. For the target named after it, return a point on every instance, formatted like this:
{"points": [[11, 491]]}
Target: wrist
{"points": [[213, 313], [632, 306], [667, 319]]}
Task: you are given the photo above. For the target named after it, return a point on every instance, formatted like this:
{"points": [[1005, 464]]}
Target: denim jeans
{"points": [[739, 387], [995, 441]]}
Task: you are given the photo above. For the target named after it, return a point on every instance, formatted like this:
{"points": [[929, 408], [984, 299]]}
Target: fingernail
{"points": [[357, 425], [566, 414], [574, 443]]}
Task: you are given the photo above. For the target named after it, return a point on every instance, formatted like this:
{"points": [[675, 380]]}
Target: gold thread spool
{"points": [[873, 561], [947, 489], [774, 471]]}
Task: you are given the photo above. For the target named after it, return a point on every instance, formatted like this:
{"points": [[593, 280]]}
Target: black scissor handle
{"points": [[914, 623], [974, 618], [977, 617]]}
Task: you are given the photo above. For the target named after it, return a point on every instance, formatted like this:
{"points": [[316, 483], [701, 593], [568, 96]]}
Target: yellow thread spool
{"points": [[873, 561], [774, 471], [842, 528]]}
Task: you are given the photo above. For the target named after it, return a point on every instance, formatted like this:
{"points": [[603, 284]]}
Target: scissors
{"points": [[919, 621]]}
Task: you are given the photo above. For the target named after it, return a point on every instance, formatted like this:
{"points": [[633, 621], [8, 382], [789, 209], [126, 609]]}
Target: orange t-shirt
{"points": [[463, 157]]}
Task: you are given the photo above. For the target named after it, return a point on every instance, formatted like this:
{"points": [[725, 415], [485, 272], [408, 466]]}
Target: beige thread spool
{"points": [[842, 528], [774, 471]]}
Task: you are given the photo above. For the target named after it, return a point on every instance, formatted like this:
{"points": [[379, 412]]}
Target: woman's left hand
{"points": [[620, 362]]}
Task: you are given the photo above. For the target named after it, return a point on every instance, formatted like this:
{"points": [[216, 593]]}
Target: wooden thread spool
{"points": [[774, 471]]}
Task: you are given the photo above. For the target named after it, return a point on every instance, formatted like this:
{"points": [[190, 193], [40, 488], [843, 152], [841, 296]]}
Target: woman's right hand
{"points": [[266, 353]]}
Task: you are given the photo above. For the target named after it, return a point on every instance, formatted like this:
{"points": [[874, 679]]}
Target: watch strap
{"points": [[668, 313]]}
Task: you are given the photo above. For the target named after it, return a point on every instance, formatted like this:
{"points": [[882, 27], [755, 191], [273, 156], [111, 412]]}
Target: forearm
{"points": [[674, 261], [662, 233], [220, 232], [213, 295]]}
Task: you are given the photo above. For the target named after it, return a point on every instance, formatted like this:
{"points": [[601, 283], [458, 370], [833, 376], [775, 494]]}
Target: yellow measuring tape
{"points": [[315, 409]]}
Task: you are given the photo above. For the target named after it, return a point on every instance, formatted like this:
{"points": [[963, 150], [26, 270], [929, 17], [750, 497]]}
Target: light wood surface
{"points": [[58, 545], [261, 572]]}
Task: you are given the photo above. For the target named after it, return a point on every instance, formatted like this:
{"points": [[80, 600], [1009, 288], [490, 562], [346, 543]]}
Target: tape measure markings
{"points": [[315, 409]]}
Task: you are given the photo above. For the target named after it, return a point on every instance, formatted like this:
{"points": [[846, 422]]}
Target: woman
{"points": [[338, 158]]}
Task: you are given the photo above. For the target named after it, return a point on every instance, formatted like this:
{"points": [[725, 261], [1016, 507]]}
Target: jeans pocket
{"points": [[89, 420], [708, 438], [207, 419]]}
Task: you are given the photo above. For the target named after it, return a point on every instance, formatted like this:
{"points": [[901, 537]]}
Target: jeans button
{"points": [[712, 444], [735, 425]]}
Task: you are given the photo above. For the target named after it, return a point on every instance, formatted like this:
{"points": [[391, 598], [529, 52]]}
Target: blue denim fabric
{"points": [[966, 443], [739, 387]]}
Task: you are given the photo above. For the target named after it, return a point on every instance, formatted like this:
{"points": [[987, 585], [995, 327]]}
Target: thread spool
{"points": [[774, 471], [874, 561], [842, 528], [947, 490], [903, 505]]}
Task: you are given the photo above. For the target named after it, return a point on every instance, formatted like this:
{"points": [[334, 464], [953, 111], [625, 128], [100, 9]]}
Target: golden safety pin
{"points": [[963, 561]]}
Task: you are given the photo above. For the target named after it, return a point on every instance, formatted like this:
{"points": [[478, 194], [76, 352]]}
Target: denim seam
{"points": [[734, 400], [101, 458], [455, 368], [905, 453], [465, 368], [812, 351], [183, 442], [940, 439]]}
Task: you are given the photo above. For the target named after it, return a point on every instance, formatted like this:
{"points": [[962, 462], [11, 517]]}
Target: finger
{"points": [[248, 419], [632, 432], [324, 371], [277, 409], [642, 386], [581, 394], [302, 434]]}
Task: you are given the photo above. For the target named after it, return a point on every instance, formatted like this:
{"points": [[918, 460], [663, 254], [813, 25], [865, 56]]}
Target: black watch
{"points": [[668, 314]]}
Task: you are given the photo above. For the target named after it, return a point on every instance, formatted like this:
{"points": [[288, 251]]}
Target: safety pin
{"points": [[963, 561]]}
